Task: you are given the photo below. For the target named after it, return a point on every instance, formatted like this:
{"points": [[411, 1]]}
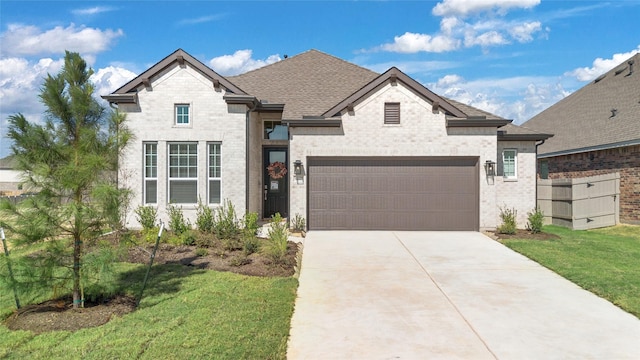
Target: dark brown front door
{"points": [[276, 185]]}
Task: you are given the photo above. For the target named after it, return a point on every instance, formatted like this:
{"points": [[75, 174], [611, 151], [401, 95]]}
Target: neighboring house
{"points": [[9, 178], [597, 131], [361, 150]]}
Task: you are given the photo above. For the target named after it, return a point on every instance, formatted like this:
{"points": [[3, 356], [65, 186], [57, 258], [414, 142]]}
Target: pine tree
{"points": [[70, 163]]}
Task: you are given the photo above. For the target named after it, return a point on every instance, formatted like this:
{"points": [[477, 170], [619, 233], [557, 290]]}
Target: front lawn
{"points": [[187, 313], [603, 261]]}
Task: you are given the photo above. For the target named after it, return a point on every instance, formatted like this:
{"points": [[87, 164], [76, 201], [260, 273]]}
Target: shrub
{"points": [[535, 220], [147, 216], [298, 223], [509, 224], [177, 222], [226, 223], [204, 218], [276, 248], [250, 244], [202, 252]]}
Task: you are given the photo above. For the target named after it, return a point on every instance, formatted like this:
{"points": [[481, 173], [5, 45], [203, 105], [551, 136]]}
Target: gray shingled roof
{"points": [[471, 111], [583, 120], [308, 83]]}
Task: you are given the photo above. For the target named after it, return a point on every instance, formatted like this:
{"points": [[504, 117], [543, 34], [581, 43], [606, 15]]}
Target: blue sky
{"points": [[513, 58]]}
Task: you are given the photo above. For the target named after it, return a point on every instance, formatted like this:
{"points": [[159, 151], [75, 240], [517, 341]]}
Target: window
{"points": [[183, 173], [510, 164], [392, 113], [214, 174], [274, 130], [182, 115], [150, 173]]}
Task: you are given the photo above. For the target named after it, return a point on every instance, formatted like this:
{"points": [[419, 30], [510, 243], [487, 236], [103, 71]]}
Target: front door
{"points": [[276, 184]]}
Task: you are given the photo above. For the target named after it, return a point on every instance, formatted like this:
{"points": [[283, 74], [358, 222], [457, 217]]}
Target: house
{"points": [[597, 131], [10, 179], [316, 136]]}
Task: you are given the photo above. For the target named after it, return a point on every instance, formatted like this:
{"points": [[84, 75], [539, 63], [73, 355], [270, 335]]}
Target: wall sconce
{"points": [[298, 171], [490, 167], [297, 167]]}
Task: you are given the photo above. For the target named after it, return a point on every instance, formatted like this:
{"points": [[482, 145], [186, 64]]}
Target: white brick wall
{"points": [[519, 194], [152, 120], [421, 133]]}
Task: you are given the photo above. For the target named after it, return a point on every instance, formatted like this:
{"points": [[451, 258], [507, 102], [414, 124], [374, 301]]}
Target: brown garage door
{"points": [[393, 193]]}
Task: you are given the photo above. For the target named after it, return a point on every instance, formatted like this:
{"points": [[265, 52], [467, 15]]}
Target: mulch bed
{"points": [[524, 234], [59, 314]]}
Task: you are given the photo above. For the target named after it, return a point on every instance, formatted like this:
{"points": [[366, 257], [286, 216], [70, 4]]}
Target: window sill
{"points": [[510, 179]]}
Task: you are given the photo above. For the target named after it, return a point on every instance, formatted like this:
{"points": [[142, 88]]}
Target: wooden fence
{"points": [[581, 203]]}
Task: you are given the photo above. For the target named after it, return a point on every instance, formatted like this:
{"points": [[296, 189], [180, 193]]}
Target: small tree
{"points": [[71, 162]]}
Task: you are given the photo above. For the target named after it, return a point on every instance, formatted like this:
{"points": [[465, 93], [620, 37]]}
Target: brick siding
{"points": [[625, 160]]}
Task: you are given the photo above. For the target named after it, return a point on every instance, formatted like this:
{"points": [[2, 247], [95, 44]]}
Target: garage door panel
{"points": [[398, 193]]}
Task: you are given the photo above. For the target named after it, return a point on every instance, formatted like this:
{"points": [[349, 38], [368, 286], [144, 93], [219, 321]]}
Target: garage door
{"points": [[393, 193]]}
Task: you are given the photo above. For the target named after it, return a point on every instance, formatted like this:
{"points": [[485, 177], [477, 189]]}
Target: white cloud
{"points": [[489, 38], [517, 98], [466, 7], [92, 11], [455, 32], [201, 19], [523, 32], [29, 40], [601, 66], [412, 43], [107, 80], [241, 61]]}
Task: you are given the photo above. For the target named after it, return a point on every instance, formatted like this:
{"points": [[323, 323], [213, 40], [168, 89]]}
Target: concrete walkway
{"points": [[448, 295]]}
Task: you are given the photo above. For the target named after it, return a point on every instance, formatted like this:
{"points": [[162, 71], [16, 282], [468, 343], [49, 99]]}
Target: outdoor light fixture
{"points": [[490, 167], [297, 167]]}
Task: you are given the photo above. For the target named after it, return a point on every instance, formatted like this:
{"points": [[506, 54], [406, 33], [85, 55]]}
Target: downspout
{"points": [[247, 148], [117, 149], [536, 192]]}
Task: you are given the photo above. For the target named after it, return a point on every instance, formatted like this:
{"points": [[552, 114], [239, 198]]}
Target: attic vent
{"points": [[619, 71], [392, 113], [630, 62], [614, 112], [599, 78]]}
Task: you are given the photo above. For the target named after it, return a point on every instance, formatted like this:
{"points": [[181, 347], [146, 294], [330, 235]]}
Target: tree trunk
{"points": [[77, 250]]}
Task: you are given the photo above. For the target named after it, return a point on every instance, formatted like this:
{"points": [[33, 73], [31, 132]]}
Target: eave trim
{"points": [[129, 98], [477, 122], [313, 123], [590, 148]]}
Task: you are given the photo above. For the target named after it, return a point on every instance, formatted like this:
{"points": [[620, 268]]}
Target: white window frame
{"points": [[178, 116], [171, 179], [515, 165], [211, 176], [147, 166]]}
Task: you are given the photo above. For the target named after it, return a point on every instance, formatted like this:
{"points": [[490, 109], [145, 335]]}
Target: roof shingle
{"points": [[585, 119]]}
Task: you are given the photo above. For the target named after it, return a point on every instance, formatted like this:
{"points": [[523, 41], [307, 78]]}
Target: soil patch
{"points": [[59, 314], [527, 235]]}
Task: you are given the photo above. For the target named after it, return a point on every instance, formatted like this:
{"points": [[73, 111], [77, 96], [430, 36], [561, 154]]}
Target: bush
{"points": [[202, 252], [177, 222], [509, 224], [226, 223], [147, 216], [204, 218], [278, 238], [250, 244], [535, 220], [298, 223]]}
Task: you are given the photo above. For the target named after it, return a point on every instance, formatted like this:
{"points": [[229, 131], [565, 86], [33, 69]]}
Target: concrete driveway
{"points": [[449, 295]]}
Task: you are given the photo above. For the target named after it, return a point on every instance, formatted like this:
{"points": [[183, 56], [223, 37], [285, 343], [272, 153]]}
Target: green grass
{"points": [[603, 261], [185, 314]]}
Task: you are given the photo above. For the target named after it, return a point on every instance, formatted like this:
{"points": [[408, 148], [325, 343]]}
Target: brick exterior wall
{"points": [[420, 133], [212, 120], [625, 160]]}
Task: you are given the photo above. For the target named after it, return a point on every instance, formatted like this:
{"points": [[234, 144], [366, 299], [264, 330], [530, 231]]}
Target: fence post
{"points": [[12, 279], [153, 255]]}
